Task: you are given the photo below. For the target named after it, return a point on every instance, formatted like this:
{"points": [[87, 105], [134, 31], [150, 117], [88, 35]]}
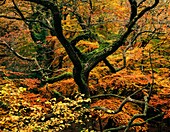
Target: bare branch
{"points": [[135, 124], [152, 72], [141, 2], [65, 75], [28, 20], [3, 2], [19, 11], [15, 53], [10, 17], [146, 10], [140, 33], [108, 111], [80, 37], [138, 115], [107, 95], [135, 19], [127, 99]]}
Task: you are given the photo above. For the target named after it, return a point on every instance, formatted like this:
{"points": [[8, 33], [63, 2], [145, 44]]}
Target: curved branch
{"points": [[138, 115], [77, 39], [141, 2], [3, 2], [15, 53], [145, 10], [65, 75], [80, 37], [135, 124], [108, 111], [107, 95], [127, 99]]}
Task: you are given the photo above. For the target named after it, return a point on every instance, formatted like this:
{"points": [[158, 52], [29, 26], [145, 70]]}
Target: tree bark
{"points": [[81, 79]]}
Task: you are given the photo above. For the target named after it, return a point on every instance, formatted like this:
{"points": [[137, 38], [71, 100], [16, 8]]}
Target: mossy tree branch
{"points": [[65, 75]]}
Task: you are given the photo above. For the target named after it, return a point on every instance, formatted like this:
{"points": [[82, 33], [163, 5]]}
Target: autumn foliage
{"points": [[127, 90]]}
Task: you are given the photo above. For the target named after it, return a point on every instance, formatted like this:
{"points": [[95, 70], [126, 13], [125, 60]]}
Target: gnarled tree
{"points": [[104, 26], [47, 17]]}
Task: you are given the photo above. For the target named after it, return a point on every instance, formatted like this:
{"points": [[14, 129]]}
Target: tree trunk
{"points": [[81, 79]]}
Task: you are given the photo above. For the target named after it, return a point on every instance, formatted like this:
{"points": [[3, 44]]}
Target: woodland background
{"points": [[128, 90]]}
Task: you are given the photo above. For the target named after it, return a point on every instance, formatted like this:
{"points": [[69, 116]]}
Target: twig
{"points": [[150, 60], [107, 95], [135, 124]]}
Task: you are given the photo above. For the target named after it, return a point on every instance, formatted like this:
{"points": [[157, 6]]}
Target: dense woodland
{"points": [[84, 65]]}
